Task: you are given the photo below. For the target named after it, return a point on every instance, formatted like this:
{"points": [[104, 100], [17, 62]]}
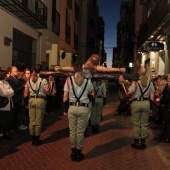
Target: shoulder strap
{"points": [[97, 89], [142, 93], [36, 92], [78, 98]]}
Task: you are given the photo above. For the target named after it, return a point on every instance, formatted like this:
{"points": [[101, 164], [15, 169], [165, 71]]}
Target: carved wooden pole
{"points": [[124, 88]]}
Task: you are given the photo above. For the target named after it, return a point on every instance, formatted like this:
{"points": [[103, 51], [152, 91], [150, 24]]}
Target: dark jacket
{"points": [[165, 100], [17, 87]]}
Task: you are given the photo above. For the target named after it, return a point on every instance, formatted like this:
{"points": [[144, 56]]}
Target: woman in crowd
{"points": [[165, 100], [6, 116]]}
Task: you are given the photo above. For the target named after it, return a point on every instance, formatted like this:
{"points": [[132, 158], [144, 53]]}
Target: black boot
{"points": [[80, 156], [33, 139], [74, 154], [135, 144], [142, 144], [89, 123], [97, 128], [5, 133], [37, 141], [93, 128], [86, 134]]}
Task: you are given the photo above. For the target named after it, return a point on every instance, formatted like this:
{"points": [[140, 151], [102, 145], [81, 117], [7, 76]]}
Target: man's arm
{"points": [[152, 96], [65, 97]]}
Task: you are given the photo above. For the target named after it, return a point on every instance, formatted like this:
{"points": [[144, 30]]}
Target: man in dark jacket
{"points": [[18, 92]]}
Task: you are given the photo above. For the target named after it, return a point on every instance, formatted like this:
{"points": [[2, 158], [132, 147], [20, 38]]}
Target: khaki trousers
{"points": [[140, 117], [78, 117], [97, 111], [36, 115]]}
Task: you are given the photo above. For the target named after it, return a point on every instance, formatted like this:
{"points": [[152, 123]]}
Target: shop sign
{"points": [[154, 46]]}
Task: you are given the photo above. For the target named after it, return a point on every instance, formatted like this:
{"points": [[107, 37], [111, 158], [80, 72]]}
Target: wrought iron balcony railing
{"points": [[33, 14]]}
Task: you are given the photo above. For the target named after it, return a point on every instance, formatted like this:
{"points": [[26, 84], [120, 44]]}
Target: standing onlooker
{"points": [[6, 116], [124, 106], [22, 113], [76, 90], [59, 82], [36, 88], [100, 100], [27, 74], [165, 100], [8, 70], [18, 92], [26, 78], [50, 107], [141, 93]]}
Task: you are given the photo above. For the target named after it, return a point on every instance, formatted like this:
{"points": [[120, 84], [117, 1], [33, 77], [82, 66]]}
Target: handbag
{"points": [[3, 101]]}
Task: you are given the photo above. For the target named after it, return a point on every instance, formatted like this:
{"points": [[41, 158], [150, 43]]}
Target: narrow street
{"points": [[108, 150]]}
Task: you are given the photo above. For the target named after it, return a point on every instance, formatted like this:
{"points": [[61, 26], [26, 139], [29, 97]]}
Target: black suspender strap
{"points": [[142, 93], [97, 89], [78, 98], [36, 92]]}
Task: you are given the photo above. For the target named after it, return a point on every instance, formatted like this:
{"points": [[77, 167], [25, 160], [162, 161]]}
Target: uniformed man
{"points": [[100, 100], [76, 90], [141, 92], [36, 88]]}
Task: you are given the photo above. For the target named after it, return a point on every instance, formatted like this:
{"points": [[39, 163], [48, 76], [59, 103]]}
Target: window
{"points": [[56, 22], [68, 28], [69, 3], [24, 54], [76, 11], [55, 19]]}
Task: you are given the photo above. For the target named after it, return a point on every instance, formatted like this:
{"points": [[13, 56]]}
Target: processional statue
{"points": [[90, 69]]}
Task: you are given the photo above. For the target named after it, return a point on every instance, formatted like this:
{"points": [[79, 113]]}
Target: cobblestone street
{"points": [[108, 150]]}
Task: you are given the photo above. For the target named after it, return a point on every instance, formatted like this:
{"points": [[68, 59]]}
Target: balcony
{"points": [[33, 14], [156, 24]]}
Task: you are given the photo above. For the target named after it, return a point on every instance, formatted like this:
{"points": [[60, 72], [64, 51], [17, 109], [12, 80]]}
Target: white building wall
{"points": [[8, 22], [46, 40]]}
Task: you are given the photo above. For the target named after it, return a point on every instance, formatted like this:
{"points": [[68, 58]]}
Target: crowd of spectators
{"points": [[18, 115]]}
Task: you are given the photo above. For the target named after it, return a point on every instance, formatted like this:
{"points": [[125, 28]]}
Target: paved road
{"points": [[108, 150]]}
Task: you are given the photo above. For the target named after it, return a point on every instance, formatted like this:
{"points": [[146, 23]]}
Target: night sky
{"points": [[110, 11]]}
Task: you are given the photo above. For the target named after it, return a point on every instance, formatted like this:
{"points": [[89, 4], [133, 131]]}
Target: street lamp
{"points": [[130, 67]]}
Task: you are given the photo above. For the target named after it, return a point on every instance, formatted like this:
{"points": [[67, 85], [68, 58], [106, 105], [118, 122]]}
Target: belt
{"points": [[42, 97], [140, 99], [99, 96], [78, 104]]}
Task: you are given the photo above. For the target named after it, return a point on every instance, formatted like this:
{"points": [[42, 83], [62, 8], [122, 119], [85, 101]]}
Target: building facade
{"points": [[55, 32], [153, 36], [125, 34]]}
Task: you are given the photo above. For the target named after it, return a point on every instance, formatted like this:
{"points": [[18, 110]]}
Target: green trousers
{"points": [[78, 117], [140, 117], [36, 115], [97, 111]]}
